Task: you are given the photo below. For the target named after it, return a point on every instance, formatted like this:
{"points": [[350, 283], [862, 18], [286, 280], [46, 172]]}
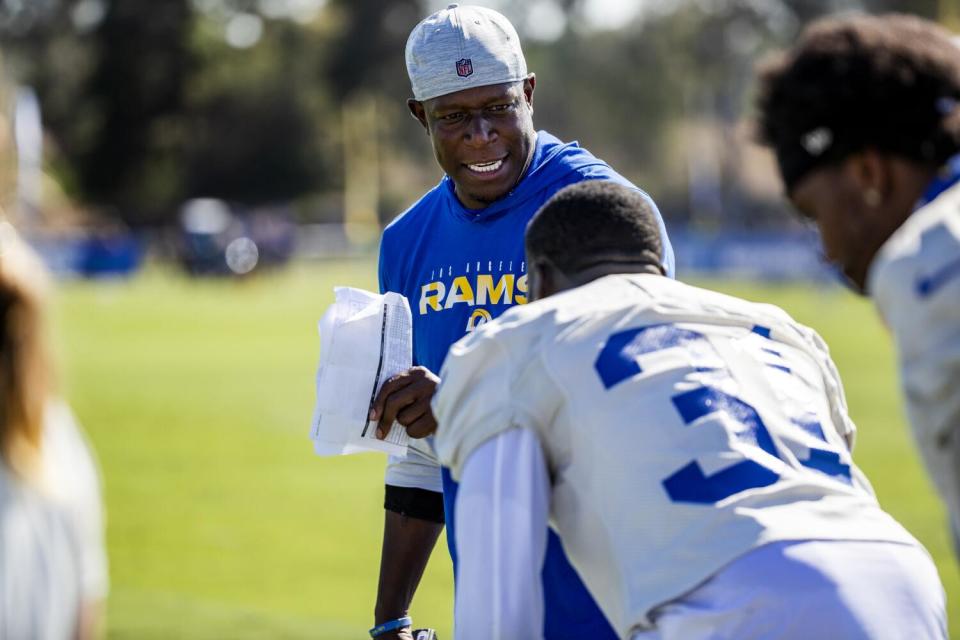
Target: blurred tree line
{"points": [[148, 103]]}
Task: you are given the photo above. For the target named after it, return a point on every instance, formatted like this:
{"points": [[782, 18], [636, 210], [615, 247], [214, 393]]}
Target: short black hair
{"points": [[592, 222], [889, 82]]}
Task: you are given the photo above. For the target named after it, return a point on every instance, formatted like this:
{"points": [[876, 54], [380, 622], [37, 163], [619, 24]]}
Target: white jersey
{"points": [[915, 282], [681, 428]]}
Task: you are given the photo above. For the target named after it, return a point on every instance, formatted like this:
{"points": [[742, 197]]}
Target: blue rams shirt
{"points": [[460, 268]]}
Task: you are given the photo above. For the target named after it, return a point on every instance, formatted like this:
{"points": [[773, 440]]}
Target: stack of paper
{"points": [[365, 339]]}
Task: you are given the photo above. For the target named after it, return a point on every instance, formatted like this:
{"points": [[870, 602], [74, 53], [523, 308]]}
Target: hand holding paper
{"points": [[365, 339], [405, 398]]}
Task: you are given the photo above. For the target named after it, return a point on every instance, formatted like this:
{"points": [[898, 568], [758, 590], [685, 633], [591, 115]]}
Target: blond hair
{"points": [[26, 374]]}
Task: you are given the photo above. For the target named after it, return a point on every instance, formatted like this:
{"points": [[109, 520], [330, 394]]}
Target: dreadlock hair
{"points": [[888, 82], [593, 222], [25, 369]]}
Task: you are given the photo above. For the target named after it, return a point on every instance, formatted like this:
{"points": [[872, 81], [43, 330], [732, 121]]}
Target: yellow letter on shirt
{"points": [[430, 295], [522, 289], [504, 288]]}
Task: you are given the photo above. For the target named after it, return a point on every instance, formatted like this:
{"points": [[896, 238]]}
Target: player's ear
{"points": [[418, 112], [871, 176], [529, 84], [542, 280]]}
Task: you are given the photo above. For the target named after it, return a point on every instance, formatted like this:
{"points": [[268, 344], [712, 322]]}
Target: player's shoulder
{"points": [[674, 299], [515, 332], [921, 257], [669, 301], [636, 299], [517, 341], [928, 232], [650, 298], [524, 331]]}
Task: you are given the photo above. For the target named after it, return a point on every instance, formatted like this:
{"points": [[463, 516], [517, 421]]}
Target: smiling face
{"points": [[483, 138]]}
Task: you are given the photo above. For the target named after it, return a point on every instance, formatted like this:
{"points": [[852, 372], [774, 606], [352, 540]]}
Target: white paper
{"points": [[365, 338]]}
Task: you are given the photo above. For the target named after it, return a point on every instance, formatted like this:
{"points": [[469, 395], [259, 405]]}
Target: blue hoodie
{"points": [[460, 268]]}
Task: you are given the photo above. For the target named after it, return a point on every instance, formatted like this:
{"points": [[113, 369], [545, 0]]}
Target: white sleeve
{"points": [[501, 525]]}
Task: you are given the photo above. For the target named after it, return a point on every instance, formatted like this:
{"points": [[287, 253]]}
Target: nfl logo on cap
{"points": [[464, 67], [478, 43]]}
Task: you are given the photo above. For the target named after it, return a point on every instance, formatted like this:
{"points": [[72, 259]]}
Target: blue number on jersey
{"points": [[690, 484], [617, 362]]}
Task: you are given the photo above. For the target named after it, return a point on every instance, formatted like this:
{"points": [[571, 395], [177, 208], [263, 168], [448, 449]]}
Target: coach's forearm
{"points": [[407, 545]]}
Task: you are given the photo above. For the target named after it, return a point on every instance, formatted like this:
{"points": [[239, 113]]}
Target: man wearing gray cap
{"points": [[457, 255]]}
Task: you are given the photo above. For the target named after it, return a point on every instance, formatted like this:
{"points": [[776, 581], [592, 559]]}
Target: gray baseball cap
{"points": [[462, 47]]}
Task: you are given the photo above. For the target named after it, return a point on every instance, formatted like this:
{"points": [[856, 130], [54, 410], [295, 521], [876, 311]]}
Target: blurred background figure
{"points": [[53, 563], [53, 573]]}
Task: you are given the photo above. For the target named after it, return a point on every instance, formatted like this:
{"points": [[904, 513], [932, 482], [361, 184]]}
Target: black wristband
{"points": [[415, 503]]}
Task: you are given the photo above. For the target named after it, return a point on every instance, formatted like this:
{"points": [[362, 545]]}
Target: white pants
{"points": [[809, 590]]}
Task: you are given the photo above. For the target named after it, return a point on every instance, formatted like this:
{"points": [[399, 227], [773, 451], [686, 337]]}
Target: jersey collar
{"points": [[948, 176]]}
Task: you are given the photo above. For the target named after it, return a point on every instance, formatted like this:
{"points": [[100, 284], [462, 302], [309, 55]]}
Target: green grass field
{"points": [[223, 524]]}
